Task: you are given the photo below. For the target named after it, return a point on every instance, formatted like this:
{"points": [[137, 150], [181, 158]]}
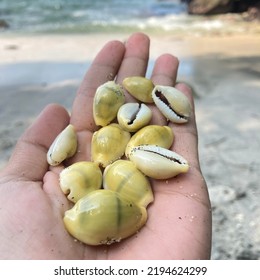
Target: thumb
{"points": [[28, 161]]}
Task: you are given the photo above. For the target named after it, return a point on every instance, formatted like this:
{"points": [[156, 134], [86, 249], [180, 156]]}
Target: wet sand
{"points": [[224, 72]]}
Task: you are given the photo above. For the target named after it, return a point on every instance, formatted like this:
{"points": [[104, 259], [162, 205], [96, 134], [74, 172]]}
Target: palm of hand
{"points": [[33, 205]]}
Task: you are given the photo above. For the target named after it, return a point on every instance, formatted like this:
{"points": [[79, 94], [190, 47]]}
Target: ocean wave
{"points": [[66, 16]]}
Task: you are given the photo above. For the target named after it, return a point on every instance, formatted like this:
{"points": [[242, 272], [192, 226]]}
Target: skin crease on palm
{"points": [[31, 202]]}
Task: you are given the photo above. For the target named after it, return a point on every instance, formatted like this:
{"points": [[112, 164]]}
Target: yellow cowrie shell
{"points": [[157, 162], [108, 144], [123, 177], [79, 179], [151, 135], [104, 217], [139, 87], [172, 103], [108, 99], [64, 146], [133, 116]]}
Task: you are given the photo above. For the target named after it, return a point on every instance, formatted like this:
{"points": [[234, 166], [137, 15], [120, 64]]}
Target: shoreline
{"points": [[16, 47], [148, 21], [222, 69]]}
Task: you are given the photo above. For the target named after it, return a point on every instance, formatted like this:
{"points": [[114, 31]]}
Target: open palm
{"points": [[32, 204]]}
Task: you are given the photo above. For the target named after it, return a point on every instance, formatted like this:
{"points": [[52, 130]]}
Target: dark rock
{"points": [[212, 7], [204, 7], [3, 24], [253, 13]]}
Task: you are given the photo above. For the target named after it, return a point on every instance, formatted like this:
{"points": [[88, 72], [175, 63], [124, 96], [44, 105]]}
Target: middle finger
{"points": [[135, 59]]}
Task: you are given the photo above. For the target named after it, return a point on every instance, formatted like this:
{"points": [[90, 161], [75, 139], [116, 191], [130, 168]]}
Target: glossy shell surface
{"points": [[157, 162], [79, 179], [151, 135], [133, 116], [123, 177], [172, 103], [64, 146], [108, 99], [108, 144], [104, 217], [139, 87], [111, 193]]}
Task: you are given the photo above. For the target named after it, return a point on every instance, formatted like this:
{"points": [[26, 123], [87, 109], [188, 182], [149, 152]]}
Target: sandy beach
{"points": [[224, 72]]}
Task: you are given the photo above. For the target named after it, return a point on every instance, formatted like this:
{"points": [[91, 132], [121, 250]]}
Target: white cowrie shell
{"points": [[64, 146], [157, 162], [133, 116], [172, 103]]}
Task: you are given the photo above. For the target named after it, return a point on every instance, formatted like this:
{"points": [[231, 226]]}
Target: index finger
{"points": [[104, 68]]}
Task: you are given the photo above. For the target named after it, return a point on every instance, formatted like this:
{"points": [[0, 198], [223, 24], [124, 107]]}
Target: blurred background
{"points": [[46, 47], [66, 16]]}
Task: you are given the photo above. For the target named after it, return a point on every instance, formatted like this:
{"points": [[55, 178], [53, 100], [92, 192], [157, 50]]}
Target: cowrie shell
{"points": [[133, 116], [64, 146], [162, 136], [108, 99], [139, 87], [104, 217], [108, 144], [157, 162], [79, 179], [172, 103], [123, 177]]}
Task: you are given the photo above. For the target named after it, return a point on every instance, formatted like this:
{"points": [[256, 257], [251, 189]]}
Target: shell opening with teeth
{"points": [[151, 135], [172, 103], [133, 116], [157, 162], [118, 210], [166, 102]]}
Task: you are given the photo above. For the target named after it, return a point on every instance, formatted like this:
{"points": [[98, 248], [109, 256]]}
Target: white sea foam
{"points": [[103, 15]]}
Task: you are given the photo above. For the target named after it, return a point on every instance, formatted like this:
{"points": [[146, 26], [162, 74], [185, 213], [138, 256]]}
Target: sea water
{"points": [[85, 16]]}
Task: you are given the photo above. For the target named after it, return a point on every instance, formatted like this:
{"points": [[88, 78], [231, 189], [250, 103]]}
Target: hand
{"points": [[31, 202]]}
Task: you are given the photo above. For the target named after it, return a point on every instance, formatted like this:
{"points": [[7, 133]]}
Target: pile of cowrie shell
{"points": [[112, 191]]}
